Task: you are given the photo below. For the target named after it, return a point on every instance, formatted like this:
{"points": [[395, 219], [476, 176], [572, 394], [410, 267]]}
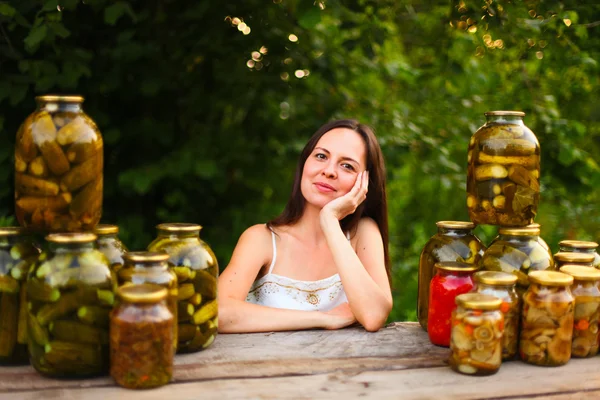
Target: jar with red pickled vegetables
{"points": [[450, 280]]}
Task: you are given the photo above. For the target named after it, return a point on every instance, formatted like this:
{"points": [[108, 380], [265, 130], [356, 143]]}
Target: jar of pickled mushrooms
{"points": [[141, 337], [454, 241], [58, 167], [503, 175], [563, 258], [197, 271], [502, 286], [477, 328], [580, 246], [17, 255], [110, 245], [517, 251], [450, 280], [70, 291], [587, 311], [547, 319]]}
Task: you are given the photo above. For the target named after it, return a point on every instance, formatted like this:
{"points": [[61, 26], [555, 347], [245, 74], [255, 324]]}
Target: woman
{"points": [[323, 263]]}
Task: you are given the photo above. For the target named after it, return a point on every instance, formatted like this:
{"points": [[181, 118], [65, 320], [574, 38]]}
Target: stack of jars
{"points": [[63, 308]]}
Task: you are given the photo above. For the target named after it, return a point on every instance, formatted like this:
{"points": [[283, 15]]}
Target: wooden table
{"points": [[396, 362]]}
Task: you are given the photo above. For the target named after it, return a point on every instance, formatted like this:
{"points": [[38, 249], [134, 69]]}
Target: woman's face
{"points": [[331, 169]]}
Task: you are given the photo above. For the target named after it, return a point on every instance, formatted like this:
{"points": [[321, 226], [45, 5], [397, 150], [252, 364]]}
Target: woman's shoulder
{"points": [[366, 227], [258, 232]]}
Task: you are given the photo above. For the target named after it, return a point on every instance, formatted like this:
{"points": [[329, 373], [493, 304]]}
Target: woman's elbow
{"points": [[375, 321]]}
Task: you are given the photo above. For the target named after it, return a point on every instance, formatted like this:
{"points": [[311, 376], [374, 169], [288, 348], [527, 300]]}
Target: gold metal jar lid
{"points": [[578, 244], [60, 98], [146, 256], [550, 278], [75, 237], [572, 257], [456, 266], [106, 229], [580, 272], [142, 293], [495, 278], [455, 225], [524, 231], [179, 227], [12, 231], [478, 301], [504, 114]]}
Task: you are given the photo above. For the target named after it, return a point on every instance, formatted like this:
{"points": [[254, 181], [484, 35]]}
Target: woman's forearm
{"points": [[368, 301], [238, 316]]}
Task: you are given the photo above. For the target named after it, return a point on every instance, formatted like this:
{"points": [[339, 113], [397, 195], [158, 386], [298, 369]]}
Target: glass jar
{"points": [[450, 280], [477, 328], [197, 271], [70, 291], [152, 267], [17, 255], [587, 311], [110, 245], [564, 258], [502, 286], [58, 167], [580, 246], [503, 175], [141, 337], [517, 251], [454, 241], [547, 319]]}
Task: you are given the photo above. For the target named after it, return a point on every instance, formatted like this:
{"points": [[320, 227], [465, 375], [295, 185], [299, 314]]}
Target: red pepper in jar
{"points": [[450, 280]]}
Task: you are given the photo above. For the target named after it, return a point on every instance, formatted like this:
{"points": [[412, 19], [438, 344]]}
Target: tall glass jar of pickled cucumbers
{"points": [[58, 167], [454, 241], [502, 286], [517, 251], [476, 339], [503, 186], [580, 246], [152, 267], [17, 255], [141, 337], [547, 319], [197, 270], [110, 245], [587, 309], [563, 258], [70, 291]]}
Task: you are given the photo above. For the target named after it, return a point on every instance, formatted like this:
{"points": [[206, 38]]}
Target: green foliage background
{"points": [[201, 126]]}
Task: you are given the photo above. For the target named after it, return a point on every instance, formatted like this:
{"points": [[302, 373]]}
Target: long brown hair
{"points": [[374, 206]]}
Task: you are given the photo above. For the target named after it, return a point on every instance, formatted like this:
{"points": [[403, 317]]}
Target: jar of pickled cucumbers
{"points": [[517, 251], [152, 267], [587, 311], [503, 175], [141, 337], [547, 319], [564, 258], [70, 291], [197, 271], [58, 167], [476, 340], [17, 255], [502, 286], [454, 241], [450, 280], [110, 245], [580, 246]]}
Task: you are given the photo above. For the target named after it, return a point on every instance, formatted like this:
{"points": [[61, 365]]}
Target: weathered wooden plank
{"points": [[515, 380], [398, 346]]}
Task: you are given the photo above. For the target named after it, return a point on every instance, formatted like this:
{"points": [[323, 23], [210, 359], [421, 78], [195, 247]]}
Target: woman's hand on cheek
{"points": [[348, 203]]}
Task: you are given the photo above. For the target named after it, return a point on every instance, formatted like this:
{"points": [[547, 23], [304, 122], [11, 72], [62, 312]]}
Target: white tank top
{"points": [[278, 291]]}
